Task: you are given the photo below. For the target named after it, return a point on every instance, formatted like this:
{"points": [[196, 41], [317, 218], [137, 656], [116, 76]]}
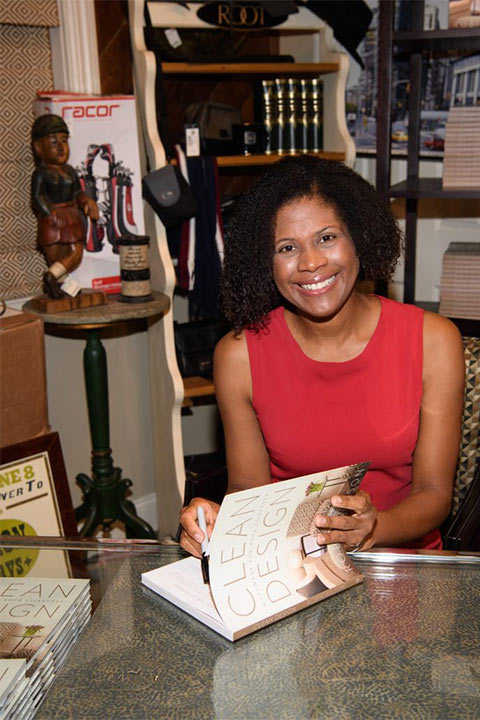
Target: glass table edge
{"points": [[374, 555]]}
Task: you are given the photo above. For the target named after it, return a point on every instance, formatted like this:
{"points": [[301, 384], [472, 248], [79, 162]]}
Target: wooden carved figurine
{"points": [[58, 202]]}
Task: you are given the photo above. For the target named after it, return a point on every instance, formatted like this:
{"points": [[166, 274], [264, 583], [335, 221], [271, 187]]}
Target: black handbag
{"points": [[215, 122], [194, 344], [169, 194]]}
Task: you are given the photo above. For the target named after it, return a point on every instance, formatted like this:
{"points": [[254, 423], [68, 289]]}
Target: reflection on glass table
{"points": [[404, 643]]}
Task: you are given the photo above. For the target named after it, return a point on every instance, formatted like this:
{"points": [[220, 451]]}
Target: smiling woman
{"points": [[316, 375], [315, 265], [249, 289]]}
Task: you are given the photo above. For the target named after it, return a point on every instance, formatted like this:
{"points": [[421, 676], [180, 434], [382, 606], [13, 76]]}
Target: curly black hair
{"points": [[248, 291]]}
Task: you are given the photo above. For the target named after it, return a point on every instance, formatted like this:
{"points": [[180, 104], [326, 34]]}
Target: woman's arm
{"points": [[435, 455], [247, 457]]}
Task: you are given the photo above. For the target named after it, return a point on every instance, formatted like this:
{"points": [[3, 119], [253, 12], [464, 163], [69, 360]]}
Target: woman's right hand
{"points": [[191, 537]]}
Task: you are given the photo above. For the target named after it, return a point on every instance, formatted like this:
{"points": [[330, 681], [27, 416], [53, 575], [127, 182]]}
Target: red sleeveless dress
{"points": [[320, 415]]}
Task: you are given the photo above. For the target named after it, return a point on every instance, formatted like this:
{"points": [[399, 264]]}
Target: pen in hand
{"points": [[203, 527]]}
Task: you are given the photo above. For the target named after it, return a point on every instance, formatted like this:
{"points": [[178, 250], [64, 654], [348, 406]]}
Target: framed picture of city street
{"points": [[446, 82]]}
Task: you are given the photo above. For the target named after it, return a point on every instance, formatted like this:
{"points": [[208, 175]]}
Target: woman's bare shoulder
{"points": [[443, 346], [232, 348], [231, 365], [439, 330]]}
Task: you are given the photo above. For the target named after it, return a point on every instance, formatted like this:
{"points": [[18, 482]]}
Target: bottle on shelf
{"points": [[301, 134], [267, 112], [291, 116], [315, 105], [281, 140]]}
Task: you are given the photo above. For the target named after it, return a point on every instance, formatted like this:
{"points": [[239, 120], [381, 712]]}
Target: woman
{"points": [[317, 375]]}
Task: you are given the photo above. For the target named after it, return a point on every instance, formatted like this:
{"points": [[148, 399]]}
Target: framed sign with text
{"points": [[35, 500]]}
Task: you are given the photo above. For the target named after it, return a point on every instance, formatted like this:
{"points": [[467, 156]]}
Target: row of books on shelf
{"points": [[460, 281], [461, 163], [40, 620], [291, 110]]}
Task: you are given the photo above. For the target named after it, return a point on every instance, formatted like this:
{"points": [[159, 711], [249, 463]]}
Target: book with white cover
{"points": [[264, 559], [11, 673], [40, 618], [32, 610]]}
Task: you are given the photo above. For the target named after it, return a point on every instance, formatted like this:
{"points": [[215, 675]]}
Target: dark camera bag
{"points": [[169, 194], [194, 344]]}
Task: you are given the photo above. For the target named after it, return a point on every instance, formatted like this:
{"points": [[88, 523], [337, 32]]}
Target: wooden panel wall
{"points": [[114, 46]]}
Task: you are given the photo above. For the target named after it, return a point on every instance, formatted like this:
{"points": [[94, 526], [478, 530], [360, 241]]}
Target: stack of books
{"points": [[461, 164], [460, 281], [291, 110], [40, 620]]}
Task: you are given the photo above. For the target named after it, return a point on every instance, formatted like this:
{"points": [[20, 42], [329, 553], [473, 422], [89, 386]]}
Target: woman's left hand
{"points": [[354, 529]]}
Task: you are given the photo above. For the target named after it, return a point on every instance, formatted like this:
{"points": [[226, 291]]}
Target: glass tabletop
{"points": [[405, 643], [93, 558]]}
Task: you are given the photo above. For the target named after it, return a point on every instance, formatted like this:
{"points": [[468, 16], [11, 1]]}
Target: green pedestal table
{"points": [[104, 491]]}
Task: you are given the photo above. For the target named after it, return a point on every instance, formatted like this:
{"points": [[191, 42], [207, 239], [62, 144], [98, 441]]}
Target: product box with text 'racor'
{"points": [[105, 153]]}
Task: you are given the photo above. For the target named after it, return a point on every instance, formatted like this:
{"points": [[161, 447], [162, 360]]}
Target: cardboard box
{"points": [[104, 151], [23, 384]]}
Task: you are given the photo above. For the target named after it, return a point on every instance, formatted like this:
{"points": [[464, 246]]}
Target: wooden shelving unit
{"points": [[415, 42]]}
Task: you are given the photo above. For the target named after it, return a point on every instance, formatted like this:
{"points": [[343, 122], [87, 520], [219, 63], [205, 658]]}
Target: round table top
{"points": [[113, 311]]}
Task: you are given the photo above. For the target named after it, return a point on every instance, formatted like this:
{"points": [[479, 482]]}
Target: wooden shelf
{"points": [[430, 187], [239, 68], [259, 160], [454, 39], [195, 387], [251, 160]]}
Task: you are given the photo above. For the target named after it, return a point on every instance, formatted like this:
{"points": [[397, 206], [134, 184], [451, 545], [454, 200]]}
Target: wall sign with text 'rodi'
{"points": [[239, 15]]}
